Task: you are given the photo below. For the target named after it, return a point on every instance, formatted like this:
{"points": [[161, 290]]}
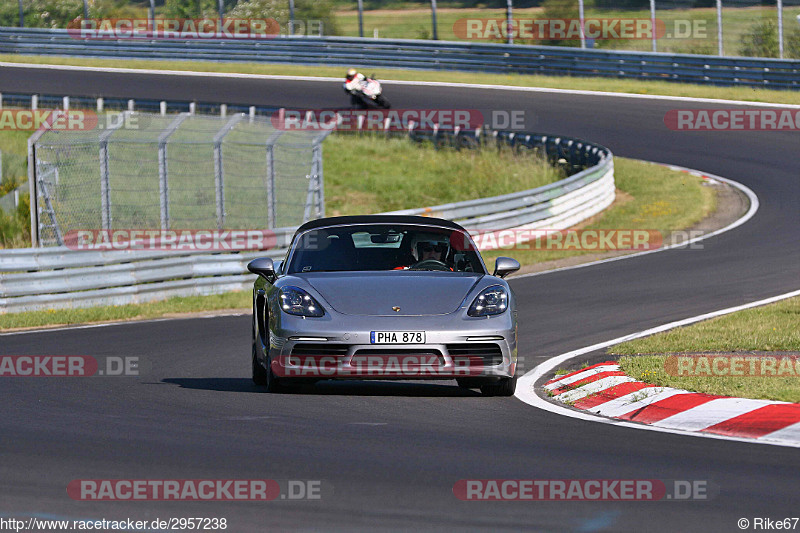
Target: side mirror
{"points": [[262, 266], [505, 266]]}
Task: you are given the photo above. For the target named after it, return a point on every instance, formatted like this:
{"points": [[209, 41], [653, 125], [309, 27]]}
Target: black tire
{"points": [[273, 383], [382, 102], [501, 387], [264, 376], [469, 383], [259, 372], [357, 102]]}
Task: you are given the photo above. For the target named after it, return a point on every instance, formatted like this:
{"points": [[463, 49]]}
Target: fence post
{"points": [[719, 28], [318, 160], [653, 24], [105, 176], [780, 29], [271, 204], [34, 196], [163, 181], [219, 172]]}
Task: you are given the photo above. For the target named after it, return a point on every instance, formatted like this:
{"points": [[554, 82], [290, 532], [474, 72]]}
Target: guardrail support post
{"points": [[219, 171], [99, 105], [34, 102], [130, 105]]}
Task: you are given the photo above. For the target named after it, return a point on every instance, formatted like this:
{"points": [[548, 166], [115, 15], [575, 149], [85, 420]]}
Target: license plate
{"points": [[397, 337]]}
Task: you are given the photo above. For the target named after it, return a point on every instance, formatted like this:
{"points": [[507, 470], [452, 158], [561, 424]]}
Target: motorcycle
{"points": [[369, 93]]}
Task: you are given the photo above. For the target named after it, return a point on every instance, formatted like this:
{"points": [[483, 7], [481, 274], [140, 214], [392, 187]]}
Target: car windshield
{"points": [[373, 247]]}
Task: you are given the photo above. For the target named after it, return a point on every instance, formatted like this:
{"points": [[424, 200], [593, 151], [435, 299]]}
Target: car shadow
{"points": [[332, 387]]}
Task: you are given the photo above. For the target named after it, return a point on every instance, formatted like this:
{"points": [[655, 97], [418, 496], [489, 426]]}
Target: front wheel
{"points": [[264, 376], [501, 387]]}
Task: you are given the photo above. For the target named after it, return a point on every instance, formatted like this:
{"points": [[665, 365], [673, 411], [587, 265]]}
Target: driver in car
{"points": [[429, 250]]}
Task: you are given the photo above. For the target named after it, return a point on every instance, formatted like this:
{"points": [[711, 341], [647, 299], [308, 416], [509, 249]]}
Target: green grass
{"points": [[415, 23], [768, 328], [554, 82], [230, 300], [373, 174], [655, 198], [14, 226]]}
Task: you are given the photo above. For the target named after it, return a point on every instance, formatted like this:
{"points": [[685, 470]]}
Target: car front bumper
{"points": [[456, 348]]}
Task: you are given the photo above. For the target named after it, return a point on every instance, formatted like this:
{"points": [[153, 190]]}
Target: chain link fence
{"points": [[168, 172]]}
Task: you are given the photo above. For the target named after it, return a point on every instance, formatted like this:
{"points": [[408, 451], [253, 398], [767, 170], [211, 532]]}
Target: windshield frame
{"points": [[299, 237]]}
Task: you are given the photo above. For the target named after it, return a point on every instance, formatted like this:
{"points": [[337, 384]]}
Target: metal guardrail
{"points": [[420, 54], [57, 277]]}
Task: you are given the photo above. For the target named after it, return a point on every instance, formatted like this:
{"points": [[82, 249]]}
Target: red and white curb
{"points": [[603, 389]]}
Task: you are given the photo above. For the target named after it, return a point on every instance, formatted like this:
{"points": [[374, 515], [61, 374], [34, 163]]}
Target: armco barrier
{"points": [[57, 277], [420, 54]]}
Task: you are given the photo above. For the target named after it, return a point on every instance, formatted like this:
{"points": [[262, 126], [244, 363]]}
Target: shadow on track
{"points": [[331, 387]]}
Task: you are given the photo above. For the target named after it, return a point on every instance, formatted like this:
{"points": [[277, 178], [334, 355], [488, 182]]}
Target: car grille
{"points": [[489, 354], [320, 349], [389, 352]]}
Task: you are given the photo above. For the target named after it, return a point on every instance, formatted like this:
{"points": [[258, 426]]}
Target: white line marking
{"points": [[527, 393], [581, 375], [711, 413], [754, 205], [399, 82]]}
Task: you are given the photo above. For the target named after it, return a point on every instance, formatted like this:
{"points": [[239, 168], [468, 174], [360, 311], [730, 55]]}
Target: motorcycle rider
{"points": [[353, 80]]}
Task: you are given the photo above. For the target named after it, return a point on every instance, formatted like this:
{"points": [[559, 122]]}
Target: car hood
{"points": [[376, 293]]}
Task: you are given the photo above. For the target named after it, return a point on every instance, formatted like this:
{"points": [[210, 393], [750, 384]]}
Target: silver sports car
{"points": [[384, 297]]}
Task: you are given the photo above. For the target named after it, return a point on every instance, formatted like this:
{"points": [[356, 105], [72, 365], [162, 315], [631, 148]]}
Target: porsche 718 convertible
{"points": [[384, 297]]}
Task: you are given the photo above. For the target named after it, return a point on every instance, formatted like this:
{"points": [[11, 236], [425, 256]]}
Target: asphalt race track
{"points": [[389, 454]]}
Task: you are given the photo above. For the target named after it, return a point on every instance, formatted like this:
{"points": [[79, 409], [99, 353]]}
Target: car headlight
{"points": [[491, 301], [296, 301]]}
